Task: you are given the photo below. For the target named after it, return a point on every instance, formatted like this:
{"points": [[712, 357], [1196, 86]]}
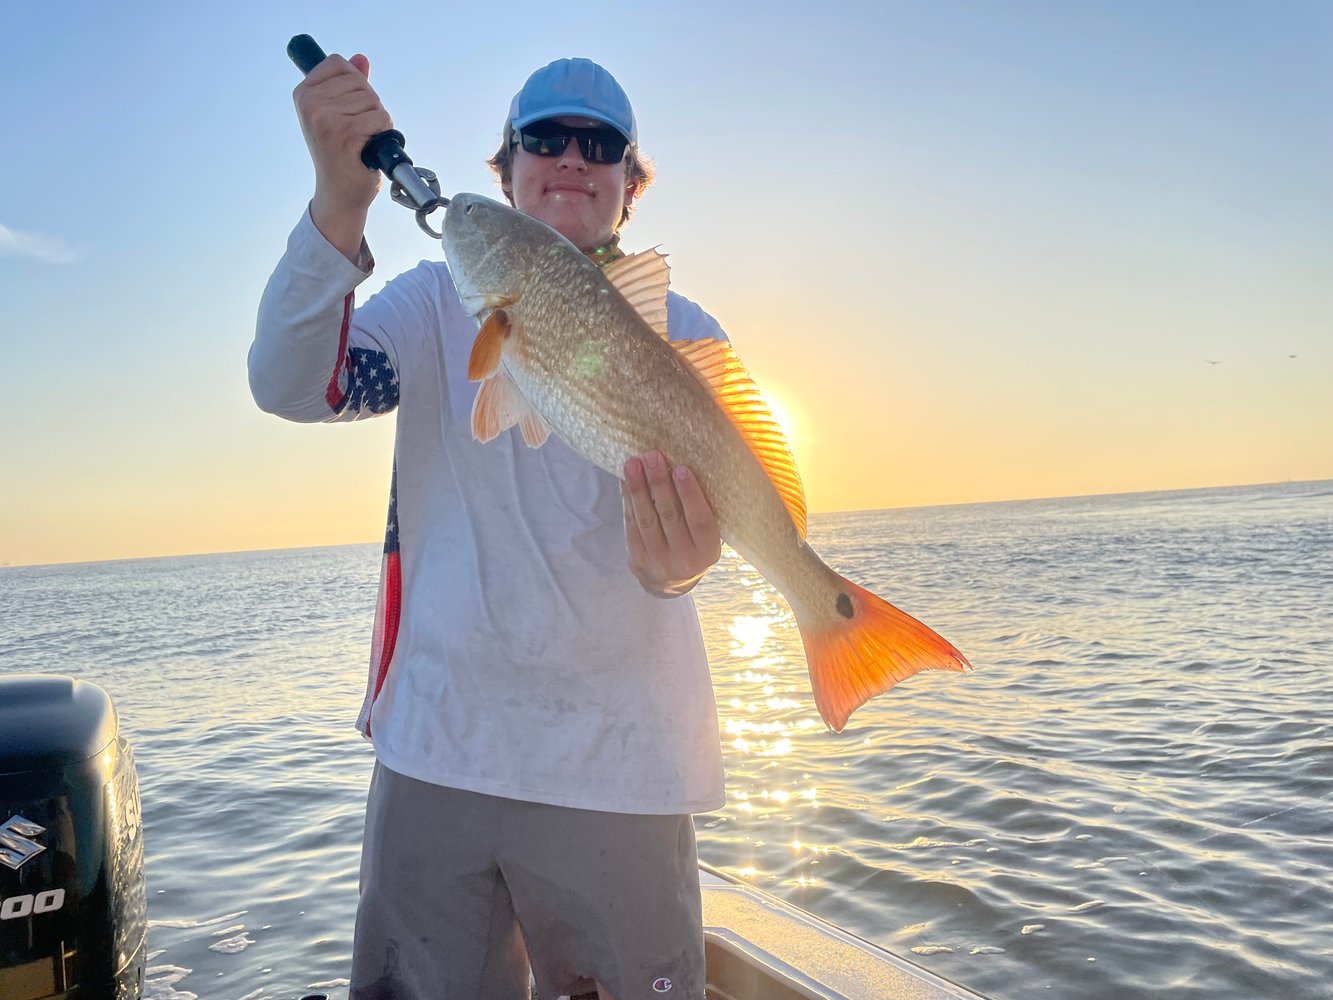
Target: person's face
{"points": [[580, 200]]}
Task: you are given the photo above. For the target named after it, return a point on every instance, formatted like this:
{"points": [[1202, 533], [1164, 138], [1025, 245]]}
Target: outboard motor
{"points": [[73, 909]]}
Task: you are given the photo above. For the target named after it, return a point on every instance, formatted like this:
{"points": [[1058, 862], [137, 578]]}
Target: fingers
{"points": [[633, 537], [642, 512], [339, 111], [658, 513], [670, 529], [335, 91], [666, 501], [699, 517]]}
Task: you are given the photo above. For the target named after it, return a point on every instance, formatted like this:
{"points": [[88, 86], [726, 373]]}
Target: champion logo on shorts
{"points": [[662, 985]]}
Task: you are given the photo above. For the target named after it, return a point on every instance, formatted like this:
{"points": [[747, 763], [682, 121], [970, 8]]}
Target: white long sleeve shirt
{"points": [[514, 652]]}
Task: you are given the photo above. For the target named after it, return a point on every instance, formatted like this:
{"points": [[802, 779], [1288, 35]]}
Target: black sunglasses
{"points": [[550, 138]]}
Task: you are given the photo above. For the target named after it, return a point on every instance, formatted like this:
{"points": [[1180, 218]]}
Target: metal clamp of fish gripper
{"points": [[414, 187], [418, 200]]}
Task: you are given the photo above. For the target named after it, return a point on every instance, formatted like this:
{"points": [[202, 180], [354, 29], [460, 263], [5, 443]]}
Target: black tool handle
{"points": [[383, 151], [305, 52]]}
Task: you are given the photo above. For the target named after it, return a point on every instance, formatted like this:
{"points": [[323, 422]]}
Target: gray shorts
{"points": [[454, 884]]}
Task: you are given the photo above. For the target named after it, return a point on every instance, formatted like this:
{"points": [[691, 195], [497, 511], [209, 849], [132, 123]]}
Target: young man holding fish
{"points": [[539, 697]]}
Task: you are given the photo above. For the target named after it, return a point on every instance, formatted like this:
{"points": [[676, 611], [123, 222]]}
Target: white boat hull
{"points": [[760, 948]]}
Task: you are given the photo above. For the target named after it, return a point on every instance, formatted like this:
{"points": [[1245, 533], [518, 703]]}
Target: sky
{"points": [[975, 250]]}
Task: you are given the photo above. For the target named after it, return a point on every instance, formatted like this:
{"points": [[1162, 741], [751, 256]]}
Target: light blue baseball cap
{"points": [[574, 87]]}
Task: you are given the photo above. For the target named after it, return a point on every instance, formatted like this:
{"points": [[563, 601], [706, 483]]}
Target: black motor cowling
{"points": [[73, 909]]}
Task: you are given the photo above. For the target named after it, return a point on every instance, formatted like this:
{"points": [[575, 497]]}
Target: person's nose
{"points": [[572, 158]]}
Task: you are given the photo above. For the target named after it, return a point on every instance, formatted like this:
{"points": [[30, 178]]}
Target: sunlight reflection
{"points": [[761, 748], [749, 632], [740, 726], [769, 800], [799, 845], [754, 678]]}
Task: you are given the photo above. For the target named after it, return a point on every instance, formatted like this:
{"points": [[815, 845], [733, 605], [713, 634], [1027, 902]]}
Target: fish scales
{"points": [[567, 346], [611, 388]]}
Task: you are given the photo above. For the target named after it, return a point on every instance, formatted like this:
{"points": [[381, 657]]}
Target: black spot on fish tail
{"points": [[845, 606]]}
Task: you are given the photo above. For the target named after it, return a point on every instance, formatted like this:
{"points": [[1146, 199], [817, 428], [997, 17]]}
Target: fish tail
{"points": [[861, 646]]}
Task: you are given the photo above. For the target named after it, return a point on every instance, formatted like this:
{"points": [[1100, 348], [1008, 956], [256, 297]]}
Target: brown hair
{"points": [[640, 170]]}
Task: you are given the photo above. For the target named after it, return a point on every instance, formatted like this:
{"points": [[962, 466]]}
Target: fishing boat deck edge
{"points": [[750, 933]]}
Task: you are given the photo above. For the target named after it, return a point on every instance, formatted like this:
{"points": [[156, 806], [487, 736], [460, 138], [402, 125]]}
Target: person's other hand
{"points": [[671, 531]]}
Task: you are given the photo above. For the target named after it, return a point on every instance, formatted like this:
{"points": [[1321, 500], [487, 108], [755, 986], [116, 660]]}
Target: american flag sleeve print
{"points": [[388, 612], [313, 359]]}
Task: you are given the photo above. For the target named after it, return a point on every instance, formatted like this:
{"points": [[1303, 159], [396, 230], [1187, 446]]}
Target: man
{"points": [[544, 725]]}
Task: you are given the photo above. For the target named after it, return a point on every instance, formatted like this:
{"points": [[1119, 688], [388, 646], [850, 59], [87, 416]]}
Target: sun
{"points": [[785, 416]]}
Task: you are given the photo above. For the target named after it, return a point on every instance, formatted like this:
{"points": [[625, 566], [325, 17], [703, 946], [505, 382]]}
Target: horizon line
{"points": [[813, 515]]}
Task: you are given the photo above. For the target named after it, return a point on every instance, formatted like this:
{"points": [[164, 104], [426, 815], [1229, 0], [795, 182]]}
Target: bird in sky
{"points": [[1207, 362]]}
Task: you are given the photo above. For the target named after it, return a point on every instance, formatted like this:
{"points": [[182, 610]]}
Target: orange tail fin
{"points": [[864, 648]]}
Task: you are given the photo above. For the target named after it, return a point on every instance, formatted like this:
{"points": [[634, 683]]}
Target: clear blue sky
{"points": [[980, 250]]}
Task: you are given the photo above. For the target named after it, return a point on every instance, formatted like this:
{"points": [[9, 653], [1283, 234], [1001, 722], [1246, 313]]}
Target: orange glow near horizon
{"points": [[947, 301]]}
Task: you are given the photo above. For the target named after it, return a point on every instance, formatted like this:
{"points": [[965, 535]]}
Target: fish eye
{"points": [[468, 210]]}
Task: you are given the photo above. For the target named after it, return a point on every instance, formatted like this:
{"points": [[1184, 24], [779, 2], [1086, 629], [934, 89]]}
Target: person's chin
{"points": [[573, 225]]}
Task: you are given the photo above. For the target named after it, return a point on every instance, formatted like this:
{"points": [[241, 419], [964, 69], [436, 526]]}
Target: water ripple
{"points": [[1132, 796]]}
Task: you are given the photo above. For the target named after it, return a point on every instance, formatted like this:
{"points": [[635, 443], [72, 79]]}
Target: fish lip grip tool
{"points": [[413, 187]]}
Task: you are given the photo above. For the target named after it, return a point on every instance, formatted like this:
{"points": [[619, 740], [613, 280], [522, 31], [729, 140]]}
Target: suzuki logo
{"points": [[15, 847]]}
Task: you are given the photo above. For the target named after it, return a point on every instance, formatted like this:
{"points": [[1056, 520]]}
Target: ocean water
{"points": [[1131, 796]]}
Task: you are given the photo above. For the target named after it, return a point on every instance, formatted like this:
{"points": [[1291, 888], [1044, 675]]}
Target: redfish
{"points": [[584, 352]]}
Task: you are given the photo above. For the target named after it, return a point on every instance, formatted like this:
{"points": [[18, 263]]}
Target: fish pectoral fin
{"points": [[643, 278], [720, 368], [535, 431], [499, 406], [494, 300], [485, 358]]}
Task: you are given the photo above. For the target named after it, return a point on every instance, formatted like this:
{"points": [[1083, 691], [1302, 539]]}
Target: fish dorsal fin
{"points": [[721, 370], [485, 358], [643, 279], [499, 406]]}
